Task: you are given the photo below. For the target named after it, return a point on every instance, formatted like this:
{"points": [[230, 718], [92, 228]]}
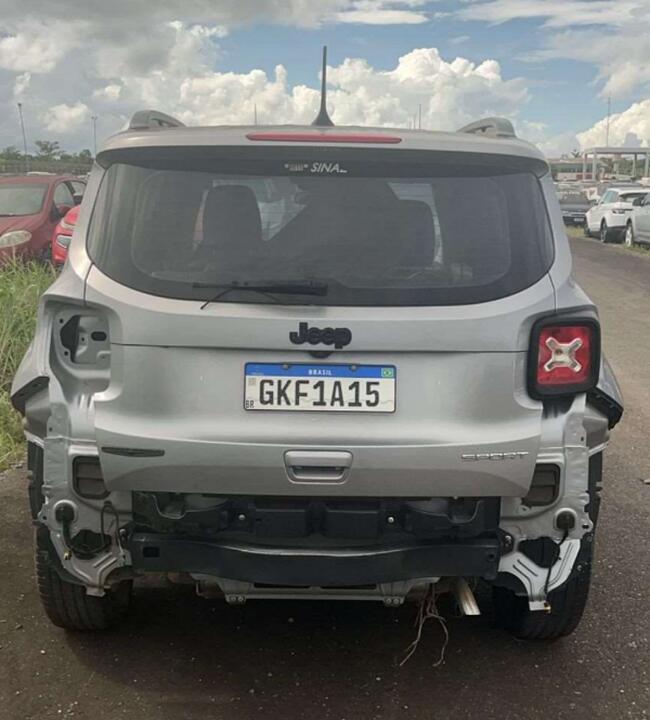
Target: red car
{"points": [[62, 236], [30, 208]]}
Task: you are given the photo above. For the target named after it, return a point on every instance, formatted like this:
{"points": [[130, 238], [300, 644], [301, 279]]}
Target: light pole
{"points": [[22, 127], [94, 122]]}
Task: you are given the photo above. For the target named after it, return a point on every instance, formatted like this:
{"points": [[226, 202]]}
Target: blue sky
{"points": [[548, 64]]}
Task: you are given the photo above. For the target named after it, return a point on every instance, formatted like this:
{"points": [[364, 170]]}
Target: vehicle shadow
{"points": [[195, 658]]}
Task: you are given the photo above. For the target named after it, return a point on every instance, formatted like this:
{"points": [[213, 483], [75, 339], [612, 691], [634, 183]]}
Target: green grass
{"points": [[642, 249], [573, 231], [21, 284]]}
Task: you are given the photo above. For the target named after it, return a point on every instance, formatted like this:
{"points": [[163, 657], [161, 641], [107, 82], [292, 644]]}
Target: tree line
{"points": [[49, 157]]}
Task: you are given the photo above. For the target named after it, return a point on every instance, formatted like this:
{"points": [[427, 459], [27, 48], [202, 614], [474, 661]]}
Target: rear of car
{"points": [[574, 204], [319, 363]]}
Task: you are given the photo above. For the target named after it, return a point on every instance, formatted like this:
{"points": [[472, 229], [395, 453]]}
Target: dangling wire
{"points": [[427, 609], [548, 574]]}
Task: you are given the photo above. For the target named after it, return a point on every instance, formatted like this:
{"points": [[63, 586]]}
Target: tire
{"points": [[585, 229], [629, 234], [567, 607], [45, 255], [66, 604], [605, 234], [567, 602]]}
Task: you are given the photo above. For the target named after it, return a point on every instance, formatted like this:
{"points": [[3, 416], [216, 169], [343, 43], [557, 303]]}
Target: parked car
{"points": [[62, 235], [608, 219], [574, 204], [30, 208], [637, 229], [397, 388]]}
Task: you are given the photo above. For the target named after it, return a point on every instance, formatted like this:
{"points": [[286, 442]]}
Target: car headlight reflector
{"points": [[14, 238]]}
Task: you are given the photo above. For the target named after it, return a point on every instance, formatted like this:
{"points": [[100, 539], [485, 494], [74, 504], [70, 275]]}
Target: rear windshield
{"points": [[19, 200], [572, 198], [436, 231]]}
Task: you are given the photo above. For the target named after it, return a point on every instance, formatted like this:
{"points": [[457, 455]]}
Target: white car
{"points": [[637, 229], [608, 218]]}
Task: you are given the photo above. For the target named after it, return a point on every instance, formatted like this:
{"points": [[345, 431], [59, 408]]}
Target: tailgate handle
{"points": [[318, 465]]}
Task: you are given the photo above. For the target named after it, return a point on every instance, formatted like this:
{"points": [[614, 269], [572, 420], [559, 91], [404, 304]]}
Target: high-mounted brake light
{"points": [[324, 137], [564, 357]]}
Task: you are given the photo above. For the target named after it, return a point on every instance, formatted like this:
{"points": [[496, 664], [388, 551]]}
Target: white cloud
{"points": [[383, 12], [631, 128], [382, 17], [558, 145], [21, 85], [135, 36], [109, 59], [556, 13], [110, 93], [612, 35], [553, 146], [622, 58], [450, 93], [64, 119], [36, 46], [119, 17]]}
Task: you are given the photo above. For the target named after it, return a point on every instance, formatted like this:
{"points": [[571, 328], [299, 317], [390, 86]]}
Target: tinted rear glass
{"points": [[573, 198], [433, 232]]}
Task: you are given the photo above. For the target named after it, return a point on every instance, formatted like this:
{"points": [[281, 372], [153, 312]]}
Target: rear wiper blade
{"points": [[284, 287]]}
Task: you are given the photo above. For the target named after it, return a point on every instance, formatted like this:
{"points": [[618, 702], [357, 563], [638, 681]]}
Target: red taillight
{"points": [[565, 357], [325, 137]]}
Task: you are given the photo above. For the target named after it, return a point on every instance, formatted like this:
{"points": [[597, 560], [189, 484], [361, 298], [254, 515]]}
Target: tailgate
{"points": [[173, 417]]}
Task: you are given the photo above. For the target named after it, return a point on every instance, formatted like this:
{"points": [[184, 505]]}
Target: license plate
{"points": [[328, 388]]}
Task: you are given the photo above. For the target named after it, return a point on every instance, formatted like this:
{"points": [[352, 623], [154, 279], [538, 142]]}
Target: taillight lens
{"points": [[564, 357], [63, 240]]}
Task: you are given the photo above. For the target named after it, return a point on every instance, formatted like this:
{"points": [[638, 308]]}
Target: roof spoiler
{"points": [[492, 127], [153, 120]]}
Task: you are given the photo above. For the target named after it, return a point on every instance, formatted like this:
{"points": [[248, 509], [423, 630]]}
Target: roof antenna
{"points": [[323, 119]]}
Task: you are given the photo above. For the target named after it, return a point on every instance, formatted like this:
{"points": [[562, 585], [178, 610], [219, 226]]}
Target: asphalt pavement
{"points": [[179, 656]]}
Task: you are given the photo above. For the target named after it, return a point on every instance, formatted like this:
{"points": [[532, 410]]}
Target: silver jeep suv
{"points": [[317, 362]]}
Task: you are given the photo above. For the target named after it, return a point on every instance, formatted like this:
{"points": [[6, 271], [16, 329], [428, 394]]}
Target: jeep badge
{"points": [[339, 337]]}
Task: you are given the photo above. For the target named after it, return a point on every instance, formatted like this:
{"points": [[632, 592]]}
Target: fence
{"points": [[58, 167]]}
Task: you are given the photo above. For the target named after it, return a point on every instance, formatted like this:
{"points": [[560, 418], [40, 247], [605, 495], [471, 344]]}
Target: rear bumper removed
{"points": [[289, 566], [317, 542]]}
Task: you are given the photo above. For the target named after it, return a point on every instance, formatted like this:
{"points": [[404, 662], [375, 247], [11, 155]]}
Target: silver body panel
{"points": [[170, 378]]}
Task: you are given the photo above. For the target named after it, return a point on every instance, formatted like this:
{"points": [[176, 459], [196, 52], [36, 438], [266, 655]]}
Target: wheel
{"points": [[629, 234], [585, 229], [604, 232], [66, 604], [45, 255], [567, 606]]}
